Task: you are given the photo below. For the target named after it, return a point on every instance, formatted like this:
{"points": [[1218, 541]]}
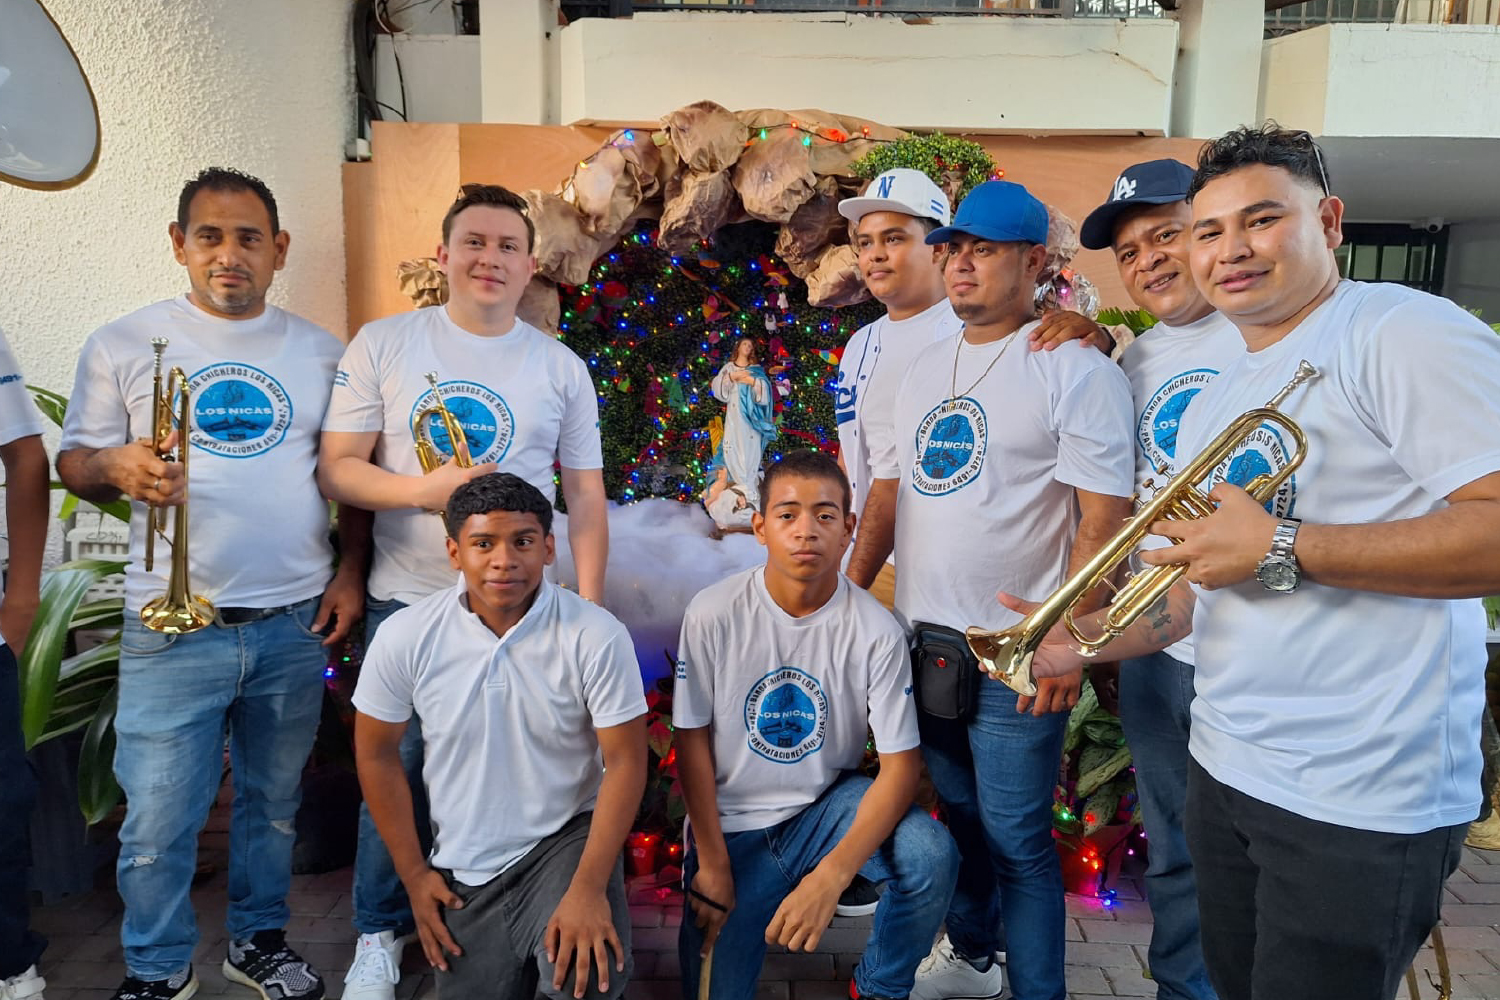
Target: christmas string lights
{"points": [[655, 327]]}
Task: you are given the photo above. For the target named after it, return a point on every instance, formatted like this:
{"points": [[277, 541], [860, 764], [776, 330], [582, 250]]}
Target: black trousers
{"points": [[1293, 908], [20, 946]]}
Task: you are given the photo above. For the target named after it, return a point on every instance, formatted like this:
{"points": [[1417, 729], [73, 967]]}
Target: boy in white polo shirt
{"points": [[521, 686], [781, 671]]}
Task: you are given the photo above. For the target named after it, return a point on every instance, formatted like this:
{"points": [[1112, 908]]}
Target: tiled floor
{"points": [[1106, 947]]}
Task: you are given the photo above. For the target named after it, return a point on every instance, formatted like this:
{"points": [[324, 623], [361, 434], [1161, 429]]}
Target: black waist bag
{"points": [[945, 672]]}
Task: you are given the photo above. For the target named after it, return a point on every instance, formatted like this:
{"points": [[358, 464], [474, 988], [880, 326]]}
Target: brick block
{"points": [[1115, 932], [1087, 953]]}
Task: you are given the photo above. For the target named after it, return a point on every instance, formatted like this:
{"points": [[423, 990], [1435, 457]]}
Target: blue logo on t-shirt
{"points": [[950, 446], [1262, 454], [482, 413], [786, 715], [1156, 432], [238, 411]]}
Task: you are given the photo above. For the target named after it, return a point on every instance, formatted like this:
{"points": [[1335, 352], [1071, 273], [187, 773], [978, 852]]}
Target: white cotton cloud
{"points": [[661, 553]]}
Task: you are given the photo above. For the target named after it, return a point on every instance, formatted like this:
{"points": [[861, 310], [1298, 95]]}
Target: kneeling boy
{"points": [[780, 671], [520, 686]]}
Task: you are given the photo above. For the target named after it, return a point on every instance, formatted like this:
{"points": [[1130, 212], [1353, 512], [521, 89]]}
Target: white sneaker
{"points": [[946, 975], [26, 986], [377, 967]]}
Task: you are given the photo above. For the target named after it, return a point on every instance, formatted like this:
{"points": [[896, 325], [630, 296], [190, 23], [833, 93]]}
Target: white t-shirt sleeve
{"points": [[893, 713], [880, 442], [579, 446], [693, 692], [19, 416], [612, 687], [355, 404], [96, 416], [387, 678], [1429, 383], [1095, 443]]}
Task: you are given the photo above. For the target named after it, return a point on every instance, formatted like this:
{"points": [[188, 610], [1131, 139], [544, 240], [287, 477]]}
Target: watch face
{"points": [[1278, 575]]}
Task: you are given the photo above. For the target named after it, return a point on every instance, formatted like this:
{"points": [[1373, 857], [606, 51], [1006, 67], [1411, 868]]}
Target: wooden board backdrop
{"points": [[394, 203]]}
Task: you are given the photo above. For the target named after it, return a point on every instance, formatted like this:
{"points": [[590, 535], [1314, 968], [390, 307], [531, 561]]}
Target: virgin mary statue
{"points": [[745, 389]]}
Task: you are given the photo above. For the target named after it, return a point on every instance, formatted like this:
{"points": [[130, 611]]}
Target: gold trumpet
{"points": [[178, 610], [1006, 654], [429, 456]]}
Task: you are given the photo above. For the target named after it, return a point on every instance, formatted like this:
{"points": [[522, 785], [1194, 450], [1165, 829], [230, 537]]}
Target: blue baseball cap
{"points": [[999, 211], [1155, 182]]}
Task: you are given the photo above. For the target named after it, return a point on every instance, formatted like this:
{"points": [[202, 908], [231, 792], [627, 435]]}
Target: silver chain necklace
{"points": [[953, 393]]}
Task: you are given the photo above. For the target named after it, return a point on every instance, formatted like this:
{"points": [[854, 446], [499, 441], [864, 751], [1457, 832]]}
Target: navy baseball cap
{"points": [[999, 211], [1155, 182]]}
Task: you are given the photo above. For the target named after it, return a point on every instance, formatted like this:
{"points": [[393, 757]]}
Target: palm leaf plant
{"points": [[63, 693]]}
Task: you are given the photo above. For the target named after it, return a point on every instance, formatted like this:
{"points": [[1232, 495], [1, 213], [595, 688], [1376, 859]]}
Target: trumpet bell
{"points": [[170, 618], [1005, 655]]}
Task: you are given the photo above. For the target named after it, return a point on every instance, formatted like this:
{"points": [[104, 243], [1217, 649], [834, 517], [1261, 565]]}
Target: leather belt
{"points": [[245, 616]]}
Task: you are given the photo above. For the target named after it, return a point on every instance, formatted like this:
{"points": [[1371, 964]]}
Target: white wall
{"points": [[995, 74], [1218, 68], [261, 85], [1472, 278], [1385, 80], [440, 73]]}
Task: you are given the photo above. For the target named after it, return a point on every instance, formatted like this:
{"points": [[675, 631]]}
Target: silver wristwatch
{"points": [[1279, 571]]}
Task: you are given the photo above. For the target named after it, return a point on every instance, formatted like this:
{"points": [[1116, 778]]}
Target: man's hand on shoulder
{"points": [[429, 895], [581, 933], [1062, 325], [803, 915]]}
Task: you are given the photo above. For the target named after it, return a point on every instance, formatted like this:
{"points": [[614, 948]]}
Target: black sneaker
{"points": [[178, 987], [264, 963], [859, 900]]}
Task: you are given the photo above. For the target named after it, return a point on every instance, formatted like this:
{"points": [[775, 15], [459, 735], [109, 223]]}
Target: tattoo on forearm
{"points": [[1161, 618]]}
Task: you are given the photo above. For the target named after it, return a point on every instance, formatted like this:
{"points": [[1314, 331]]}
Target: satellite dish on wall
{"points": [[49, 123]]}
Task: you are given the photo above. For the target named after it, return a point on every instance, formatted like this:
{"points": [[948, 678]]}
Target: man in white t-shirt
{"points": [[1015, 466], [888, 224], [26, 503], [258, 378], [524, 402], [535, 759], [1340, 659], [781, 672], [1145, 223]]}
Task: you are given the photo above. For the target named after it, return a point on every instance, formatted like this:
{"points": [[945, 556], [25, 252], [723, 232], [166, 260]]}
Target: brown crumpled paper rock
{"points": [[811, 228], [707, 136], [701, 205], [1062, 243], [774, 176], [605, 189], [835, 282], [423, 281], [565, 250], [539, 305]]}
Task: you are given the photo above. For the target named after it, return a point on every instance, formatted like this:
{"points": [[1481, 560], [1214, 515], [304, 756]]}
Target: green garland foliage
{"points": [[654, 329], [955, 165]]}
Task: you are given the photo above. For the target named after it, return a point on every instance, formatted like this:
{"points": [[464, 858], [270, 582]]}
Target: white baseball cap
{"points": [[903, 190]]}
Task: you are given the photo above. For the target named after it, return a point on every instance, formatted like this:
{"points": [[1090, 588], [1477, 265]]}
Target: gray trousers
{"points": [[503, 922]]}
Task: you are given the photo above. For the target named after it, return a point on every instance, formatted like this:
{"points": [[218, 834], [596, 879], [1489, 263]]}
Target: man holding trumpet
{"points": [[522, 401], [256, 384], [1340, 658]]}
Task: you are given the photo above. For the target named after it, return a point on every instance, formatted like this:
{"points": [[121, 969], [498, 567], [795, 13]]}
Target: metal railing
{"points": [[1317, 12], [921, 8]]}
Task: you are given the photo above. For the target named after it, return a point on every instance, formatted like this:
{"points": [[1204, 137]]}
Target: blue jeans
{"points": [[1156, 693], [264, 681], [996, 775], [918, 863], [380, 902], [20, 946]]}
